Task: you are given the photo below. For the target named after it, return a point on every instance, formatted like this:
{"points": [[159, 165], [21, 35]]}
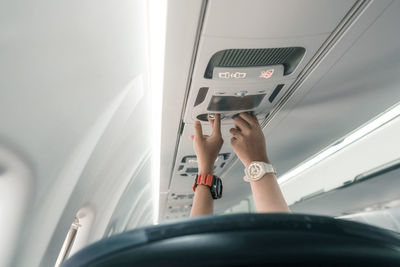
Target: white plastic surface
{"points": [[261, 19]]}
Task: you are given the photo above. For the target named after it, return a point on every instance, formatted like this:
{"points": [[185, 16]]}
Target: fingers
{"points": [[216, 124], [241, 124], [233, 140], [211, 121], [235, 133], [197, 129], [250, 119]]}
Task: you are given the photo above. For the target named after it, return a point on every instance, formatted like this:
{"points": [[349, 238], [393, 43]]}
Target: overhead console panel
{"points": [[245, 80]]}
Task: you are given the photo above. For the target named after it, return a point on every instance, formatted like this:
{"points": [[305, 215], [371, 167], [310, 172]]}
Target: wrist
{"points": [[202, 187], [205, 169]]}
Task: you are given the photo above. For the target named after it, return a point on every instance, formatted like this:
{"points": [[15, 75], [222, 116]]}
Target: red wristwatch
{"points": [[212, 181]]}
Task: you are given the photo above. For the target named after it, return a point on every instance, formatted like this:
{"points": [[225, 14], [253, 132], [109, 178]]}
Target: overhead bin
{"points": [[266, 19]]}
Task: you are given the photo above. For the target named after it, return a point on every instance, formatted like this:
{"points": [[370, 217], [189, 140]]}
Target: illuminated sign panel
{"points": [[232, 75]]}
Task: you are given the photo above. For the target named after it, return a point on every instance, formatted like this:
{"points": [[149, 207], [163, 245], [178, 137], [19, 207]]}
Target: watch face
{"points": [[216, 189], [254, 170], [219, 188]]}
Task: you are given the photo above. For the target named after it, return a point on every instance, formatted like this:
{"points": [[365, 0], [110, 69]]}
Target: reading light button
{"points": [[212, 116], [241, 93]]}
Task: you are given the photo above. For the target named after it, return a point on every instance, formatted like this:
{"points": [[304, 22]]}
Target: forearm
{"points": [[203, 202], [267, 195]]}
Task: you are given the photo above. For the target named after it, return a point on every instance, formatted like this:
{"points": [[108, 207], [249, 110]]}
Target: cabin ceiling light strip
{"points": [[157, 14], [375, 207], [354, 136]]}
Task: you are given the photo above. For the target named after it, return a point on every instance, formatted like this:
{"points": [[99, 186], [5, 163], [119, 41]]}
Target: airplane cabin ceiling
{"points": [[354, 81]]}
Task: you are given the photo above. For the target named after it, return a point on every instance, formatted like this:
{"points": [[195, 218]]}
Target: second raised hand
{"points": [[248, 140]]}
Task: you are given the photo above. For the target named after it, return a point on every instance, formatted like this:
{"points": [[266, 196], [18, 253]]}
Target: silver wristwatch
{"points": [[256, 170]]}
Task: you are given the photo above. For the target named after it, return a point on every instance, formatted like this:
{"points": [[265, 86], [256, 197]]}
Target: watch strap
{"points": [[204, 179]]}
